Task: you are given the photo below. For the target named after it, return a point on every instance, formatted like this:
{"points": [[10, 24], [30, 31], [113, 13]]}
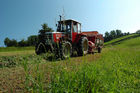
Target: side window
{"points": [[79, 28], [68, 27], [63, 27]]}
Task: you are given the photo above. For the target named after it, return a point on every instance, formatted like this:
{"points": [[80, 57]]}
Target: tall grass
{"points": [[117, 70]]}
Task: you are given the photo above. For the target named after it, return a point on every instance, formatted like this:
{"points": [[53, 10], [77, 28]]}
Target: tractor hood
{"points": [[54, 37]]}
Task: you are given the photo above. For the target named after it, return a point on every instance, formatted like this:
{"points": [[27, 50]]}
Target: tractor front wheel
{"points": [[40, 48], [66, 50]]}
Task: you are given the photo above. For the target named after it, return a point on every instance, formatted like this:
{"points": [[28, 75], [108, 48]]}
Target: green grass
{"points": [[115, 70], [8, 49], [12, 51], [121, 38]]}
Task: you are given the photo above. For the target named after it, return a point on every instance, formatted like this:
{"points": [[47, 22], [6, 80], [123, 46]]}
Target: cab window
{"points": [[75, 27], [79, 28], [68, 27]]}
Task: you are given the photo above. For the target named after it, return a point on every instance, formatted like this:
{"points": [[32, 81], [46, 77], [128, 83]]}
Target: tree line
{"points": [[31, 40], [114, 34]]}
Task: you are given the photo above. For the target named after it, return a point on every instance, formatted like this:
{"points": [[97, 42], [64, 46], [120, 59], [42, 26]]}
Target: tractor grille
{"points": [[49, 37]]}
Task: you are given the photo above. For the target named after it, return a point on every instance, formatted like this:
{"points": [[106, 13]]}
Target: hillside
{"points": [[115, 70], [118, 40]]}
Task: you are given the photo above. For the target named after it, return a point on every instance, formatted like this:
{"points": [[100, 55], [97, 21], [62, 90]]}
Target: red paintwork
{"points": [[74, 36], [57, 36], [91, 36], [100, 36], [90, 33], [77, 37], [91, 46]]}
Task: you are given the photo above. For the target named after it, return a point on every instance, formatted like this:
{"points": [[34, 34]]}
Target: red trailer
{"points": [[95, 41]]}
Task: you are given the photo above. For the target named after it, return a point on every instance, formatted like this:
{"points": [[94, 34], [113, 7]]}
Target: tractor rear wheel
{"points": [[83, 46], [66, 50], [40, 48]]}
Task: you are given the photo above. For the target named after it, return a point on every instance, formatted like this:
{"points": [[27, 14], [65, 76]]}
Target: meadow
{"points": [[10, 51], [115, 70]]}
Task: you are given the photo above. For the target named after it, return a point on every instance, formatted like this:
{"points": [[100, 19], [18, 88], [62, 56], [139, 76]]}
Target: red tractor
{"points": [[69, 38]]}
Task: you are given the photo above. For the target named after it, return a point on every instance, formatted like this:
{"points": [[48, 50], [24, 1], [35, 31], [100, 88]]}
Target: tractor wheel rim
{"points": [[85, 46]]}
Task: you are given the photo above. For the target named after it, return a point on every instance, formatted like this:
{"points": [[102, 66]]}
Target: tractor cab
{"points": [[70, 28]]}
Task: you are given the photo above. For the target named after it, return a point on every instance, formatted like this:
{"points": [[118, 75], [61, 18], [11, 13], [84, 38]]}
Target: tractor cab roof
{"points": [[69, 20]]}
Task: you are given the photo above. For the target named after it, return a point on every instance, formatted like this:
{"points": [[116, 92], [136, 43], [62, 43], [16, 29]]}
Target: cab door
{"points": [[76, 27]]}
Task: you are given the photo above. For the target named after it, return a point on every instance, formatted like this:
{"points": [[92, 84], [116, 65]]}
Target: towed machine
{"points": [[69, 38]]}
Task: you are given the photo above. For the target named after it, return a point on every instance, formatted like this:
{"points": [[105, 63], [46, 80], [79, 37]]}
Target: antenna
{"points": [[63, 17], [55, 24], [63, 14]]}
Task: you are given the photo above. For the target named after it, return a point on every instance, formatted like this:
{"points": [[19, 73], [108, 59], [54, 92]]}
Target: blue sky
{"points": [[22, 18]]}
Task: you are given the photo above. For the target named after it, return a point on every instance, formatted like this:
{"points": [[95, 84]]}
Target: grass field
{"points": [[115, 70], [11, 51]]}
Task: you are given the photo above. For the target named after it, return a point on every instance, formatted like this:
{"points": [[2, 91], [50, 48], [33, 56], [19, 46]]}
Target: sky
{"points": [[22, 18]]}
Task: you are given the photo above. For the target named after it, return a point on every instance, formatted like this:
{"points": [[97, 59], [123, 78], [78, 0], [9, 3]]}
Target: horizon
{"points": [[20, 19]]}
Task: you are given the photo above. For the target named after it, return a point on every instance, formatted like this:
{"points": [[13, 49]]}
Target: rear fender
{"points": [[79, 36]]}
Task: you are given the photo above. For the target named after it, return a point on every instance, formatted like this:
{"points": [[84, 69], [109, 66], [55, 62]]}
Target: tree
{"points": [[138, 32], [22, 43], [45, 28], [113, 34], [32, 40], [10, 43], [124, 33], [7, 41], [14, 43], [107, 35], [118, 33], [128, 33], [42, 32]]}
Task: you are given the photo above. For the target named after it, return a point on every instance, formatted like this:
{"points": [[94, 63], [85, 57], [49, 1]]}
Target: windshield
{"points": [[65, 27]]}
